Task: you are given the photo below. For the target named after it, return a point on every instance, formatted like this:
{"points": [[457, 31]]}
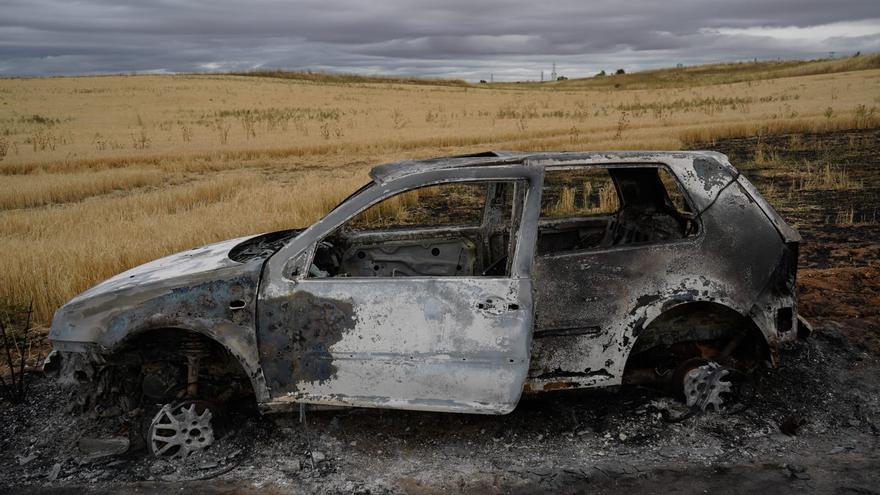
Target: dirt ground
{"points": [[811, 425]]}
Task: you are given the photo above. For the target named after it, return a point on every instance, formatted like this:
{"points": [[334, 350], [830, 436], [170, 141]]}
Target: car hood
{"points": [[183, 266], [194, 287]]}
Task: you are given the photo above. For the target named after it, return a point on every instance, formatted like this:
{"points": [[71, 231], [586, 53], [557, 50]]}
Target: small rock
{"points": [[95, 475], [318, 456], [668, 452], [208, 465], [26, 459], [622, 436], [855, 423], [836, 450], [541, 471], [352, 443], [158, 467], [796, 468], [96, 448], [111, 412], [54, 472], [292, 465]]}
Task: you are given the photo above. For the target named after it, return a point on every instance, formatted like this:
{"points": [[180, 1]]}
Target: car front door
{"points": [[350, 322]]}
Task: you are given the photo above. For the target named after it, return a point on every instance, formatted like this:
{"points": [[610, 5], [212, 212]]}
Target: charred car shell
{"points": [[394, 321]]}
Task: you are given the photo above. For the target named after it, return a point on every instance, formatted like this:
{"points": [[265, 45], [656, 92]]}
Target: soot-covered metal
{"points": [[681, 262]]}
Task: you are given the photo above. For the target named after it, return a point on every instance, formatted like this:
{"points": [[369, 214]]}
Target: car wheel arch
{"points": [[681, 320], [247, 366]]}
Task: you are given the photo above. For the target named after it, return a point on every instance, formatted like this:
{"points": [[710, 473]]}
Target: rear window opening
{"points": [[602, 207]]}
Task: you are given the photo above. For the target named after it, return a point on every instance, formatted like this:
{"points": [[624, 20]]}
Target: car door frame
{"points": [[289, 266], [588, 345]]}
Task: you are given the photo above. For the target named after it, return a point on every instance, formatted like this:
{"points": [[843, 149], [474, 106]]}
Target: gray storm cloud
{"points": [[468, 39]]}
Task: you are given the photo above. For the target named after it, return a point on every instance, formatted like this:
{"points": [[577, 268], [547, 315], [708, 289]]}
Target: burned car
{"points": [[458, 284]]}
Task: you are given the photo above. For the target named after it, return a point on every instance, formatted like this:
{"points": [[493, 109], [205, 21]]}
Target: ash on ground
{"points": [[820, 407]]}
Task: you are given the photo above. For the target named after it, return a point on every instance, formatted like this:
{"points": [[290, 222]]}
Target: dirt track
{"points": [[826, 395]]}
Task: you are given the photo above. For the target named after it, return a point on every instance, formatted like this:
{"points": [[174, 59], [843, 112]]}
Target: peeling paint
{"points": [[447, 337]]}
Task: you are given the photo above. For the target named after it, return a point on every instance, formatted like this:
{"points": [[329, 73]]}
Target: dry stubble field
{"points": [[100, 174]]}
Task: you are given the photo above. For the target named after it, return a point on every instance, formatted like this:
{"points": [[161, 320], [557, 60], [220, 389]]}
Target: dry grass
{"points": [[703, 75], [344, 78], [396, 210], [54, 253], [603, 201], [847, 217], [100, 174], [447, 204], [826, 178], [26, 191], [860, 117]]}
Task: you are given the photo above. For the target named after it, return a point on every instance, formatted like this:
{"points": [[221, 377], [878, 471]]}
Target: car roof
{"points": [[388, 172]]}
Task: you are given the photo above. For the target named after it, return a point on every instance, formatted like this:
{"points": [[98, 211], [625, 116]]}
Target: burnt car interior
{"points": [[464, 229], [602, 207], [444, 230]]}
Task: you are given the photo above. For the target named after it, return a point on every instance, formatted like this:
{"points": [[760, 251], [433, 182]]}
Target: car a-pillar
{"points": [[701, 352], [185, 380]]}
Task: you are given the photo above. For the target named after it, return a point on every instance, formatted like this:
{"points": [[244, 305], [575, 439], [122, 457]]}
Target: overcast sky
{"points": [[470, 39]]}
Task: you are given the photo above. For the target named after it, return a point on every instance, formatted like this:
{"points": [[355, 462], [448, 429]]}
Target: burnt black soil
{"points": [[840, 259], [825, 395], [811, 425], [815, 212]]}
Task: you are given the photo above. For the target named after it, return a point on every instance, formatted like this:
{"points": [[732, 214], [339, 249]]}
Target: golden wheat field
{"points": [[103, 173]]}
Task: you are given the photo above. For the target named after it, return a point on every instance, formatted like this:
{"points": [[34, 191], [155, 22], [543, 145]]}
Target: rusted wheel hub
{"points": [[181, 429], [704, 386]]}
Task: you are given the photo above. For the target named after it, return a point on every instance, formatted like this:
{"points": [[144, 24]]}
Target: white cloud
{"points": [[853, 29]]}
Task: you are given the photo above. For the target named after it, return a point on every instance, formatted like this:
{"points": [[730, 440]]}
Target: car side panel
{"points": [[443, 344], [593, 304]]}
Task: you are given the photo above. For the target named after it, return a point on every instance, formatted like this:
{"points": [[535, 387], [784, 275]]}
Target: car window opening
{"points": [[599, 207], [460, 229]]}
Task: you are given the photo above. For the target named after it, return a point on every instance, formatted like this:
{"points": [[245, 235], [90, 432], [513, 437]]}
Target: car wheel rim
{"points": [[181, 429]]}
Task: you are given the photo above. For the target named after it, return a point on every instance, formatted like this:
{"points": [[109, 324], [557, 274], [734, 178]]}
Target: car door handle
{"points": [[496, 306], [237, 304]]}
